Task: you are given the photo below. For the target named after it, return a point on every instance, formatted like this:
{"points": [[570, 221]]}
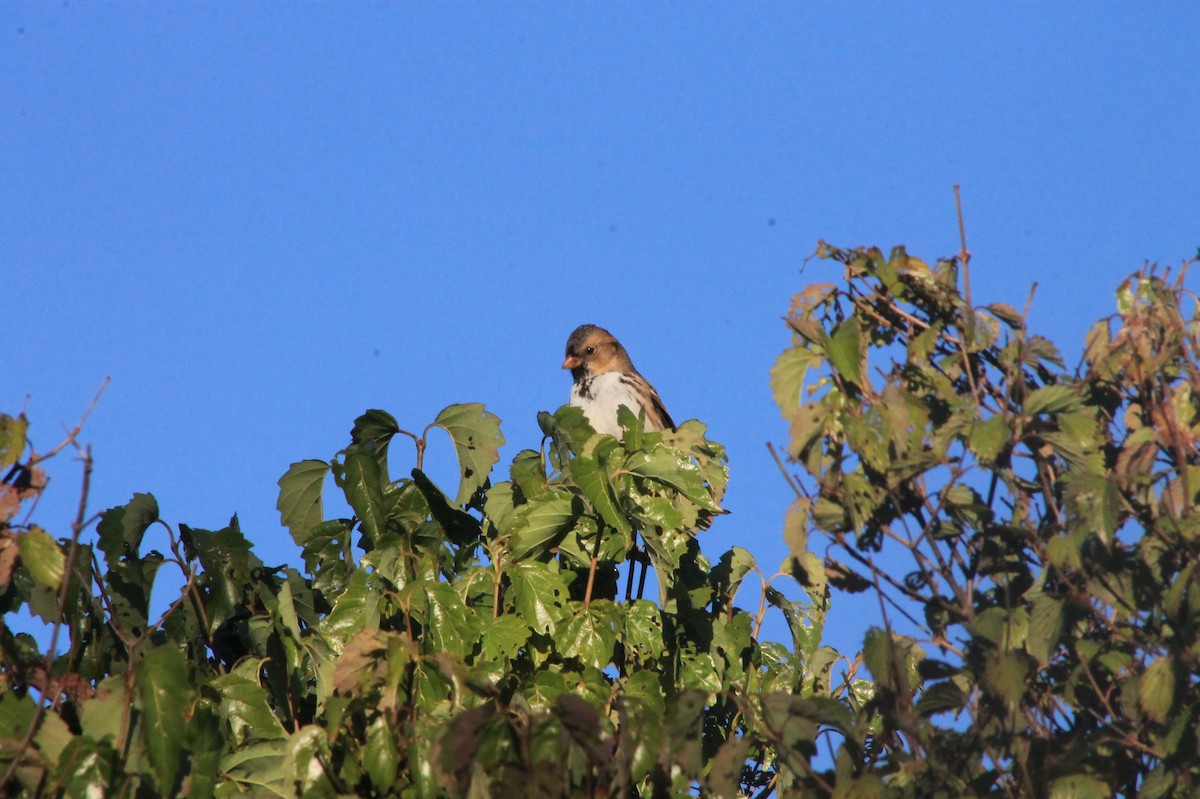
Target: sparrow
{"points": [[605, 379]]}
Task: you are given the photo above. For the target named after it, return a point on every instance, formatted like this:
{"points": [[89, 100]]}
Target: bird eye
{"points": [[590, 350]]}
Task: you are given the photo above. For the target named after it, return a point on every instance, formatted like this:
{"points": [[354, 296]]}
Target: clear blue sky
{"points": [[261, 219]]}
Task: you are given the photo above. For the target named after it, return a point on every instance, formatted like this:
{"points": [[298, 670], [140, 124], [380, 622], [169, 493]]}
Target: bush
{"points": [[1040, 639], [1048, 520]]}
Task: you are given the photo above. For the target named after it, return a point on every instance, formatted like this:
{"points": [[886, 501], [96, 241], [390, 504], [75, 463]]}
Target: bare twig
{"points": [[591, 581], [964, 255], [419, 442], [1028, 303], [791, 481], [73, 433]]}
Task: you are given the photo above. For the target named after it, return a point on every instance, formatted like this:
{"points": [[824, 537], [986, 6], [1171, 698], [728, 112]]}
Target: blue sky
{"points": [[262, 219]]}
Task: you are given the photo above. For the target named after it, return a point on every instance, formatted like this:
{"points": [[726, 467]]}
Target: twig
{"points": [[633, 553], [591, 581], [1028, 302], [497, 577], [73, 433], [762, 608], [418, 442], [791, 481], [964, 255]]}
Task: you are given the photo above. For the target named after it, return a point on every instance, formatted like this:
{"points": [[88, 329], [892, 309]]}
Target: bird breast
{"points": [[601, 395]]}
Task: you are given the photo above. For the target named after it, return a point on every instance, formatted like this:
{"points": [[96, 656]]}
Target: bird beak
{"points": [[572, 362]]}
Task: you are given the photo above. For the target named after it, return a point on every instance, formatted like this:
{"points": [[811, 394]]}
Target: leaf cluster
{"points": [[1044, 522], [491, 642]]}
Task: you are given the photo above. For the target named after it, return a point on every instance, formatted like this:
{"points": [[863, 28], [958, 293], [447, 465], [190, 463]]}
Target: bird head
{"points": [[594, 350]]}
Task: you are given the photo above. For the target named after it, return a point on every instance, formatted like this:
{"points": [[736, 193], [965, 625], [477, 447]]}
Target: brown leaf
{"points": [[10, 503], [8, 559]]}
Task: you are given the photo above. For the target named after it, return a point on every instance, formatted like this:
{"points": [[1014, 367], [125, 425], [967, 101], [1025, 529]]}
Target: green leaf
{"points": [[328, 555], [228, 562], [941, 697], [42, 556], [356, 608], [730, 570], [1158, 784], [650, 511], [1007, 314], [921, 346], [503, 638], [683, 724], [787, 378], [299, 504], [1045, 626], [361, 482], [17, 714], [245, 709], [101, 715], [1157, 689], [725, 772], [1004, 677], [380, 756], [477, 440], [1052, 399], [502, 501], [633, 427], [528, 472], [809, 426], [458, 526], [262, 764], [568, 425], [1097, 343], [591, 634], [802, 565], [12, 439], [1080, 786], [593, 481], [121, 528], [538, 526], [449, 626], [207, 745], [1043, 351], [793, 729], [824, 710], [989, 437], [890, 656], [805, 622], [376, 427], [538, 593], [670, 469], [643, 630], [85, 768], [165, 694], [845, 351]]}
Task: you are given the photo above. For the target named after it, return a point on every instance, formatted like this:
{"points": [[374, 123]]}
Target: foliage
{"points": [[484, 644], [1031, 532], [1047, 519]]}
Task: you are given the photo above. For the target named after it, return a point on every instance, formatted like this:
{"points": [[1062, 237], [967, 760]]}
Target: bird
{"points": [[605, 379]]}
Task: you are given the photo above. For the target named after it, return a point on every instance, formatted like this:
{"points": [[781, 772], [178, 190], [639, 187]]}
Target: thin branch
{"points": [[73, 433], [1028, 303], [791, 480], [50, 687], [591, 581], [964, 255]]}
